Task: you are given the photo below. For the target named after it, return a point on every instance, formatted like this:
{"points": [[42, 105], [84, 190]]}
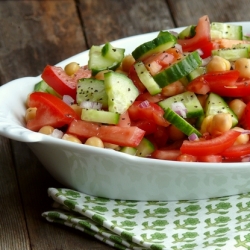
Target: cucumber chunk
{"points": [[93, 90], [190, 101], [188, 32], [97, 62], [216, 104], [178, 69], [121, 91], [146, 78], [180, 123], [226, 31], [145, 148], [101, 116], [163, 41], [42, 86], [232, 54], [112, 53], [128, 150]]}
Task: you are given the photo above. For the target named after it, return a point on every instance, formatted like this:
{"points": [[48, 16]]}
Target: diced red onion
{"points": [[245, 159], [245, 132], [176, 34], [144, 104], [90, 105], [57, 133], [206, 60], [180, 109], [193, 137], [68, 99], [200, 52], [179, 47]]}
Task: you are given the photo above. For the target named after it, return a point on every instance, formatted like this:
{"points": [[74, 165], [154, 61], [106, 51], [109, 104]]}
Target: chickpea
{"points": [[127, 62], [220, 123], [174, 88], [111, 146], [47, 130], [218, 63], [71, 138], [206, 124], [94, 141], [175, 134], [30, 114], [71, 68], [100, 75], [119, 70], [242, 138], [243, 66], [238, 107]]}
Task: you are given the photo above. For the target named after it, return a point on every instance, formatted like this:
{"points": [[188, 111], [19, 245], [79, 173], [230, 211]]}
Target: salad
{"points": [[181, 97]]}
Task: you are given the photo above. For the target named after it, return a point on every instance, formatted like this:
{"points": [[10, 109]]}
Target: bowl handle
{"points": [[18, 133]]}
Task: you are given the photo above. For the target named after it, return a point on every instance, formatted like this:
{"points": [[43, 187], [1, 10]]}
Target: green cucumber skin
{"points": [[161, 43], [227, 31], [146, 79], [180, 123], [188, 32], [231, 54], [189, 99], [100, 116], [91, 89], [112, 53], [145, 148], [179, 69], [97, 62], [128, 150], [215, 104], [121, 91]]}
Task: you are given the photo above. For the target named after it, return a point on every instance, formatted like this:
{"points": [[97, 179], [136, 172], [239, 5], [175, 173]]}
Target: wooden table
{"points": [[36, 33]]}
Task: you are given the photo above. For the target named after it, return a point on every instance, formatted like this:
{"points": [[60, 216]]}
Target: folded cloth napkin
{"points": [[220, 223]]}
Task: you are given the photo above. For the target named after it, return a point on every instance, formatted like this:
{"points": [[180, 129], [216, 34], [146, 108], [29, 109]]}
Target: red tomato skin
{"points": [[166, 154], [123, 136], [213, 146], [153, 112], [186, 158], [135, 79], [210, 158], [160, 136], [201, 37], [57, 78], [124, 120], [237, 151], [51, 111], [151, 98], [148, 126], [214, 82]]}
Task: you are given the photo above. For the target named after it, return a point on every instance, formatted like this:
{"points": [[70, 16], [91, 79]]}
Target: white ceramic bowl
{"points": [[111, 174]]}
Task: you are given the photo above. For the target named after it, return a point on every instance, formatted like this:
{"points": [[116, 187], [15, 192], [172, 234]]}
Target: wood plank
{"points": [[36, 33], [12, 221], [33, 33], [118, 19], [188, 12]]}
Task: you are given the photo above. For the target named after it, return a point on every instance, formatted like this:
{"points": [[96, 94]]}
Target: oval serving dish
{"points": [[110, 174]]}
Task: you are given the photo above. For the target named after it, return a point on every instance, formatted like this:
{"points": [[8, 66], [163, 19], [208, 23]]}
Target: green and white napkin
{"points": [[221, 223]]}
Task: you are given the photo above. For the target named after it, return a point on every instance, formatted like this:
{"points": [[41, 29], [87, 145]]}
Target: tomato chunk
{"points": [[63, 84], [219, 82], [210, 147], [201, 38], [150, 111], [51, 111], [237, 151], [123, 136]]}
